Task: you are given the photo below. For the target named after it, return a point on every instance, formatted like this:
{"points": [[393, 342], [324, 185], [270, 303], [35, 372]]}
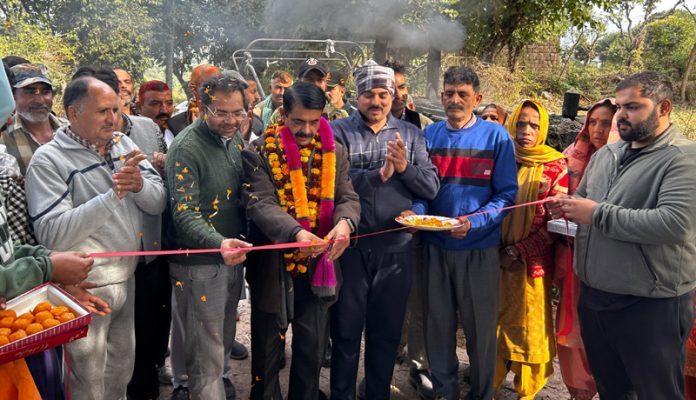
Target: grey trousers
{"points": [[101, 364], [464, 284], [206, 301]]}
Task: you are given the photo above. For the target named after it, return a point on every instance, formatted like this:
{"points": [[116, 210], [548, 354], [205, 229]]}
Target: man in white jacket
{"points": [[90, 190]]}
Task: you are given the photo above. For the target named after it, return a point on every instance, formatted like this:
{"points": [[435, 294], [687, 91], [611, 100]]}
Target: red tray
{"points": [[51, 337]]}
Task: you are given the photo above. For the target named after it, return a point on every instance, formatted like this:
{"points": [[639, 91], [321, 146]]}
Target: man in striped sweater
{"points": [[476, 165]]}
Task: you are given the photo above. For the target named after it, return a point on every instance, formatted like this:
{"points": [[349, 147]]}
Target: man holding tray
{"points": [[476, 164]]}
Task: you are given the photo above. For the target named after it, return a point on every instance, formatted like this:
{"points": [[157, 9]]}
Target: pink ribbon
{"points": [[282, 246]]}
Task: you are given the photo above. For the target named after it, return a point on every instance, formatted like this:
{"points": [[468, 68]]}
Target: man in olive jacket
{"points": [[279, 293], [635, 250]]}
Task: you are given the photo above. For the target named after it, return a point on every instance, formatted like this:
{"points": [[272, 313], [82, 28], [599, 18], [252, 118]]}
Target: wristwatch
{"points": [[510, 250], [351, 225]]}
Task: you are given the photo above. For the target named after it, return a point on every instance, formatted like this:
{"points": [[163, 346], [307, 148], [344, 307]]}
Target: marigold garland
{"points": [[309, 201]]}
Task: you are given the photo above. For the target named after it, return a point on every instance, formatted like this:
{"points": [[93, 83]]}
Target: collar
{"points": [[86, 143], [358, 120], [469, 124], [127, 124], [52, 119]]}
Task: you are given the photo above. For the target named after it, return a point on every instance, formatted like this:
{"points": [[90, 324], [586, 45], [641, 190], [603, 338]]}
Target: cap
{"points": [[27, 74], [308, 65], [336, 78]]}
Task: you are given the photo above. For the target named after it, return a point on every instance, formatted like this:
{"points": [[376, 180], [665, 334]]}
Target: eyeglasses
{"points": [[239, 114]]}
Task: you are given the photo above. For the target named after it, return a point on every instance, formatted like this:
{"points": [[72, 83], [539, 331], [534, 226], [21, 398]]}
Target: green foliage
{"points": [[667, 44], [513, 24], [100, 31], [40, 45]]}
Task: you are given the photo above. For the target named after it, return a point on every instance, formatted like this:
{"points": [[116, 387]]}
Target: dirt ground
{"points": [[400, 390]]}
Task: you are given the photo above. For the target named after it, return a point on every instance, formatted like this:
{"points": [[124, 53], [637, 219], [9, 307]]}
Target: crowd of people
{"points": [[310, 165]]}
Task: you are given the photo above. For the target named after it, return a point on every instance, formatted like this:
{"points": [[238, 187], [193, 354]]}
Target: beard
{"points": [[35, 115], [639, 131]]}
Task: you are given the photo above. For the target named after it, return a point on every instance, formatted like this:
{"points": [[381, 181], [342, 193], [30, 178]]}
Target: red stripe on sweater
{"points": [[463, 167]]}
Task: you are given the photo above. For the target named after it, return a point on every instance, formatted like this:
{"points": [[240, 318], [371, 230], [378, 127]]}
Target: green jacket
{"points": [[204, 179], [23, 267], [642, 239]]}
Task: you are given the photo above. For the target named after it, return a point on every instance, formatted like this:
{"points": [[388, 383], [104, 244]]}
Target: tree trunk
{"points": [[432, 87], [570, 55], [169, 62], [687, 72], [380, 51]]}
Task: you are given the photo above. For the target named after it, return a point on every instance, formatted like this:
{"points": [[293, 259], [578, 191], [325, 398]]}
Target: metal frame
{"points": [[352, 53]]}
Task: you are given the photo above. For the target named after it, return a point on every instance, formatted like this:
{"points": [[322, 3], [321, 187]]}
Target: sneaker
{"points": [[164, 375], [230, 391], [180, 393], [238, 351]]}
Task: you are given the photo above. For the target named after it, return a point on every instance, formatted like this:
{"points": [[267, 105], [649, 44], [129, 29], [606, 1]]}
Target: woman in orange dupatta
{"points": [[571, 352], [525, 325]]}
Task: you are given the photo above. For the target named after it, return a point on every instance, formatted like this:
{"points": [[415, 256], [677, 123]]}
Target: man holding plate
{"points": [[476, 165]]}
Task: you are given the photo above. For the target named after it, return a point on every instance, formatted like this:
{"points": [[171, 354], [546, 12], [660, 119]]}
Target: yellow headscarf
{"points": [[518, 223]]}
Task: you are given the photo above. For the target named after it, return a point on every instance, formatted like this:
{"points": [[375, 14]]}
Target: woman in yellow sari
{"points": [[525, 326]]}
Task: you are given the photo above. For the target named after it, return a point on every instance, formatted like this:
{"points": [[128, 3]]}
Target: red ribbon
{"points": [[282, 246]]}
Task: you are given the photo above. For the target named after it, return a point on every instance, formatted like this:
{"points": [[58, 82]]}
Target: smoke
{"points": [[363, 20]]}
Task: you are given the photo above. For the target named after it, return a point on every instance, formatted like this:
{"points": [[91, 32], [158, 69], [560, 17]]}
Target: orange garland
{"points": [[294, 196]]}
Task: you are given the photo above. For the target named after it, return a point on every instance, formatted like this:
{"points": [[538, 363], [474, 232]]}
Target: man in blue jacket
{"points": [[476, 165]]}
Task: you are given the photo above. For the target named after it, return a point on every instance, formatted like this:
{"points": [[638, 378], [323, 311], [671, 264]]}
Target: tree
{"points": [[690, 61], [633, 31], [514, 24], [667, 44], [193, 31], [39, 45], [101, 31]]}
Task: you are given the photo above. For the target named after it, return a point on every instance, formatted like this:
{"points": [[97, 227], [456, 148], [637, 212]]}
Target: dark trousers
{"points": [[462, 285], [310, 315], [153, 312], [637, 352], [373, 296]]}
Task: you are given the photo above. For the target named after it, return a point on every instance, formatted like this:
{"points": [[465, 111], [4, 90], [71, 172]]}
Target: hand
{"points": [[128, 178], [405, 214], [307, 237], [396, 153], [246, 124], [70, 267], [553, 207], [158, 161], [386, 171], [578, 210], [460, 233], [3, 303], [19, 179], [341, 234], [234, 257], [92, 303]]}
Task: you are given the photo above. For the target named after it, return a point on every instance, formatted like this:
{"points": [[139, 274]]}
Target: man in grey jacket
{"points": [[90, 190], [635, 250]]}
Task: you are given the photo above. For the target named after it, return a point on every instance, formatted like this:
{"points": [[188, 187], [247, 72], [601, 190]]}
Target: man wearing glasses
{"points": [[204, 178], [34, 123]]}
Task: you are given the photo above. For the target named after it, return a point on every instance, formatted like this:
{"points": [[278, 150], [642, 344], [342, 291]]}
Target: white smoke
{"points": [[362, 20]]}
